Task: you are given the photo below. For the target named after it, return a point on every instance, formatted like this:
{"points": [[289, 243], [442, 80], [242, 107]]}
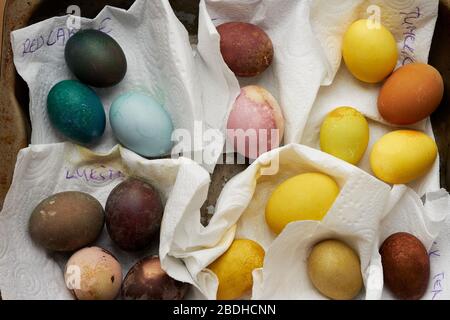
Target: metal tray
{"points": [[14, 100]]}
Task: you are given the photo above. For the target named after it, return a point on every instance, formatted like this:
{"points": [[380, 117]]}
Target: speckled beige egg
{"points": [[93, 274]]}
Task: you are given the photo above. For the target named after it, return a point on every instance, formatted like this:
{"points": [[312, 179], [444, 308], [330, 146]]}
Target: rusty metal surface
{"points": [[14, 123]]}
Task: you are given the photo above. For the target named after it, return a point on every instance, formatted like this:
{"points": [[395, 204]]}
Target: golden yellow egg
{"points": [[402, 156], [335, 270], [345, 134], [307, 196], [234, 268], [369, 51]]}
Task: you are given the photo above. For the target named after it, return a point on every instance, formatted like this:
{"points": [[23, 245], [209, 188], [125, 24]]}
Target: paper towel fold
{"points": [[29, 272], [240, 214], [160, 63]]}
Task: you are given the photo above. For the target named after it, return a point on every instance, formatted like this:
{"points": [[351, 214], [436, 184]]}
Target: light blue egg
{"points": [[141, 124]]}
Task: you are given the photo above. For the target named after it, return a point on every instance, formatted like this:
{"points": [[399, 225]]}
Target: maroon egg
{"points": [[146, 280], [245, 48], [406, 266], [133, 214]]}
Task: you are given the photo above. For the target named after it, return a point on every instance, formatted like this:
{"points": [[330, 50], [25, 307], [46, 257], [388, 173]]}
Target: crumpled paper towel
{"points": [[160, 62], [365, 211], [29, 272]]}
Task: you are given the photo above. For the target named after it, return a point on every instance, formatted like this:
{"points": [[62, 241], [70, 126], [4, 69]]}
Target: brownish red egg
{"points": [[406, 266]]}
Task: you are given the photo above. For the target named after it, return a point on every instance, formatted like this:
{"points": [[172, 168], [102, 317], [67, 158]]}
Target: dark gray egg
{"points": [[95, 58]]}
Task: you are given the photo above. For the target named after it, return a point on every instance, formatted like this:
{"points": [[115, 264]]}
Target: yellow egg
{"points": [[307, 196], [402, 156], [335, 270], [234, 268], [345, 134], [370, 52]]}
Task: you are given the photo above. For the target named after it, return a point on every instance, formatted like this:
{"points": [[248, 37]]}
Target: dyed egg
{"points": [[402, 156], [345, 134], [256, 123], [234, 268], [76, 111], [95, 58], [133, 214], [66, 221], [93, 274], [146, 280], [406, 266], [246, 48], [141, 125], [335, 270], [307, 196], [411, 94], [370, 52]]}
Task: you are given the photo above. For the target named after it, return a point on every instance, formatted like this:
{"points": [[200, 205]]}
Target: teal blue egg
{"points": [[141, 124], [76, 111]]}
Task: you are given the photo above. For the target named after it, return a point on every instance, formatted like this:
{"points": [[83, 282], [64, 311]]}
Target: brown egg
{"points": [[66, 221], [246, 48], [406, 266], [146, 280], [411, 94]]}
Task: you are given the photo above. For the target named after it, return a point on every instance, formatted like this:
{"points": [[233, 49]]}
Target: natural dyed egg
{"points": [[369, 51], [411, 94], [95, 58], [245, 48], [93, 274], [76, 111], [256, 123], [66, 221], [133, 214], [234, 268], [345, 134], [402, 156], [141, 124], [406, 266], [146, 280], [307, 196], [335, 270]]}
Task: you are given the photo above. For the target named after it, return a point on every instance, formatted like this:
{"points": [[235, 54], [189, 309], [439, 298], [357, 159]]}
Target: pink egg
{"points": [[256, 123]]}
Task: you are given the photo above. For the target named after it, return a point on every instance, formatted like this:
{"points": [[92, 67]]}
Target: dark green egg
{"points": [[95, 58], [76, 111]]}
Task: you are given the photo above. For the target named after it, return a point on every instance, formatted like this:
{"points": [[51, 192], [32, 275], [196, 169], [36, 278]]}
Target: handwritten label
{"points": [[409, 34], [437, 281], [58, 36], [97, 175]]}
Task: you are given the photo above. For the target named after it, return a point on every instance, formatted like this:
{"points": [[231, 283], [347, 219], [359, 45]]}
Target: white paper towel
{"points": [[27, 271], [160, 63]]}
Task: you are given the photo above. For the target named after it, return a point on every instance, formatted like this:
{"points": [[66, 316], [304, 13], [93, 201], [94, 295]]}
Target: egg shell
{"points": [[255, 111], [402, 156], [93, 274], [335, 270], [246, 48], [76, 111], [133, 214], [141, 124], [307, 196], [234, 268], [95, 58], [370, 52], [345, 134], [406, 266], [66, 221], [411, 94], [146, 280]]}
